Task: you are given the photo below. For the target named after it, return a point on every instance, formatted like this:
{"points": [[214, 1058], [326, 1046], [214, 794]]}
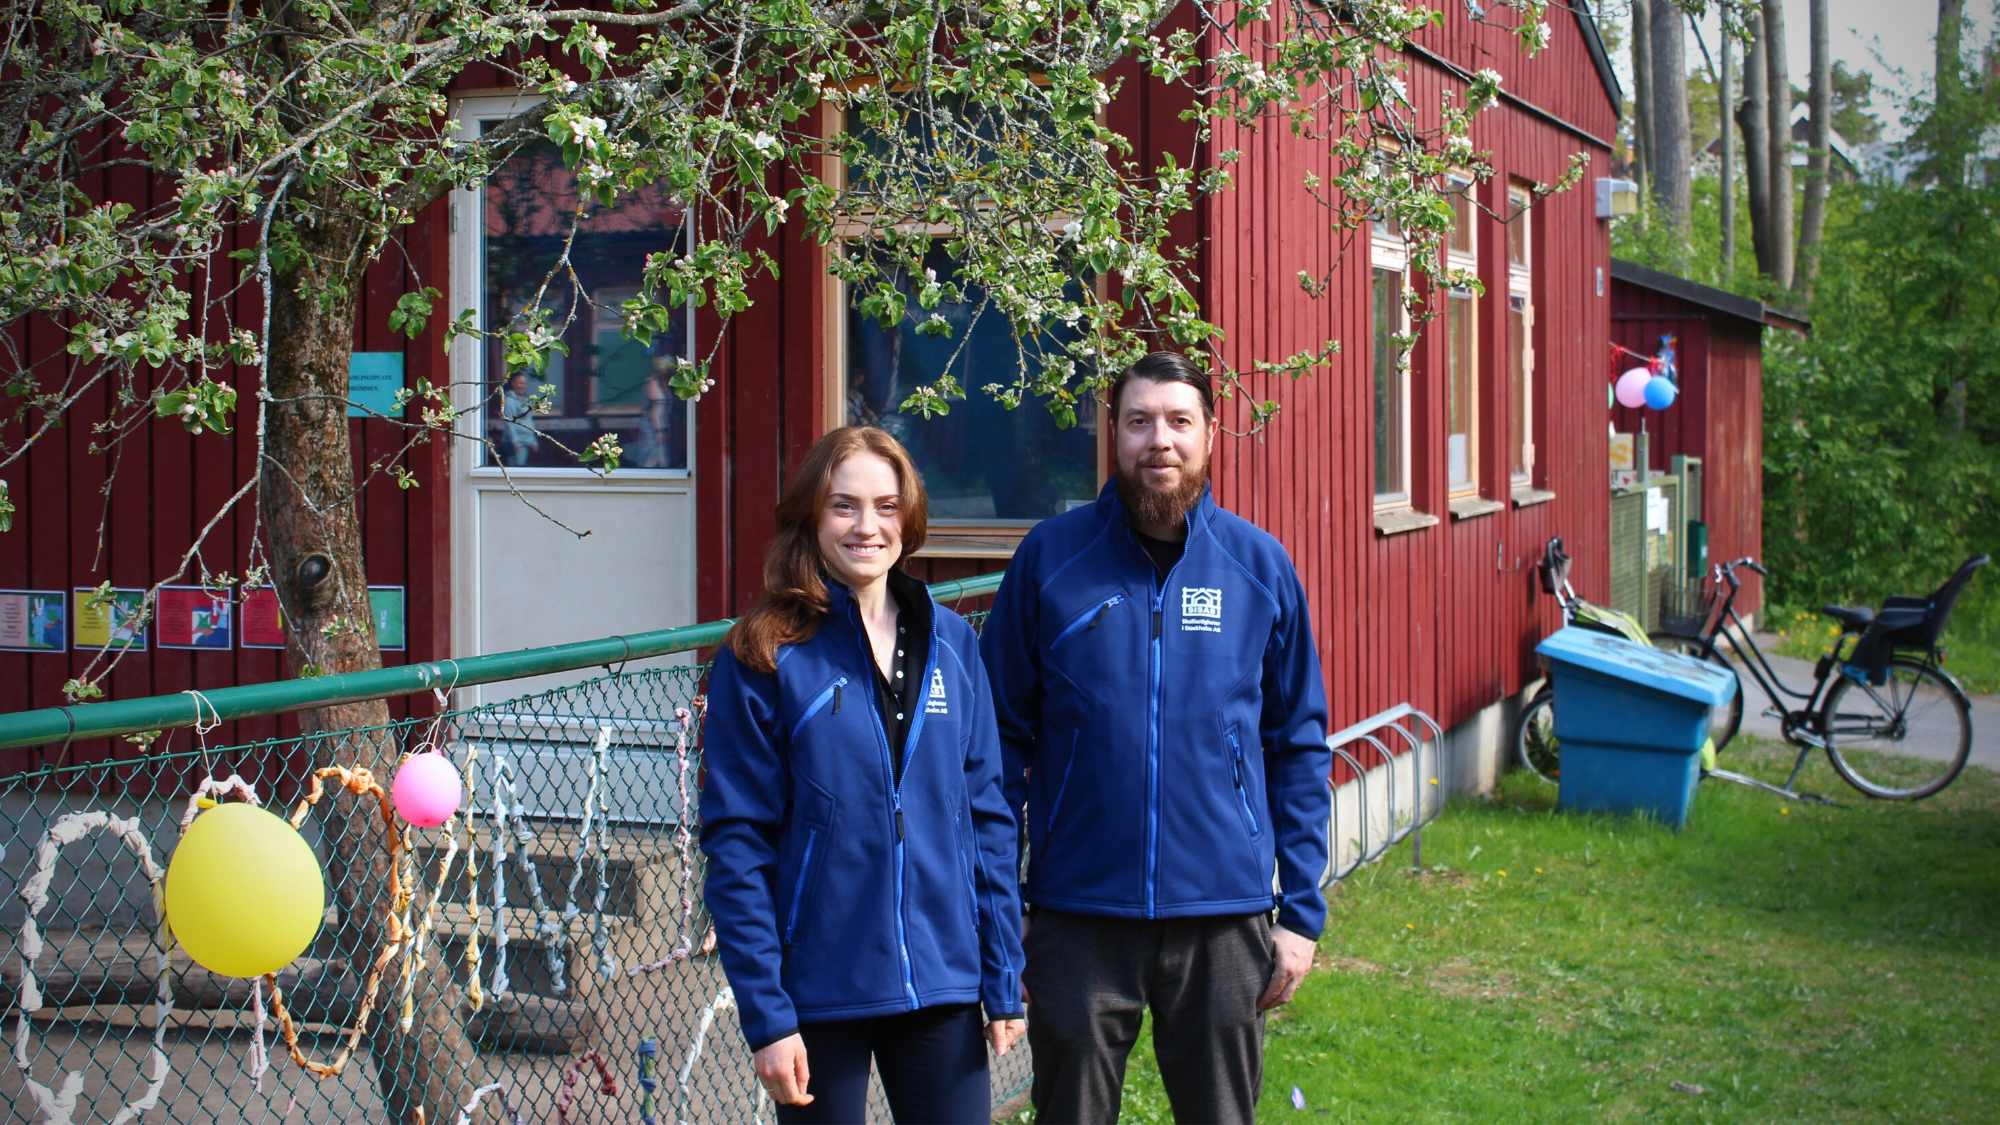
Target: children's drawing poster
{"points": [[191, 617], [33, 621], [387, 604], [263, 621], [112, 623]]}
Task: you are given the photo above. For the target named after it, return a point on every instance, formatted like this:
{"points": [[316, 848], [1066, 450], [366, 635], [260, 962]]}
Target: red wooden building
{"points": [[1718, 416], [1411, 500]]}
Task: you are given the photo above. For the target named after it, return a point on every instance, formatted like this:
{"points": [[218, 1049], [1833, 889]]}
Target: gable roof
{"points": [[1594, 42]]}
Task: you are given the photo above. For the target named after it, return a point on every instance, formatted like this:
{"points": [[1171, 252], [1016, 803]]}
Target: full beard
{"points": [[1156, 506]]}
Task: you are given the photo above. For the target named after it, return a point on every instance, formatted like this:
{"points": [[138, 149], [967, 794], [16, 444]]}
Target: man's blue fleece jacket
{"points": [[1168, 738]]}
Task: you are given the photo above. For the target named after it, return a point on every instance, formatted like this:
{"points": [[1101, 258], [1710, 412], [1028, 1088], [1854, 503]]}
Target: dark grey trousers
{"points": [[1090, 980]]}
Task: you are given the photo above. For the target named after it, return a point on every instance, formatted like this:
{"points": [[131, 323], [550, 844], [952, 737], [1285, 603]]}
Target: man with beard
{"points": [[1163, 720]]}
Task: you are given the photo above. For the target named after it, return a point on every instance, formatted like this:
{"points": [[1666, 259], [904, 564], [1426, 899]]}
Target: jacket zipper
{"points": [[799, 891], [1153, 724], [1242, 794], [896, 786], [1088, 619], [831, 693]]}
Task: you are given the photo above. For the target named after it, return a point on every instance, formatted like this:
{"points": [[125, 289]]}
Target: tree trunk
{"points": [[1945, 136], [1819, 157], [1725, 102], [1671, 157], [1754, 121], [1642, 95], [1778, 113], [312, 533]]}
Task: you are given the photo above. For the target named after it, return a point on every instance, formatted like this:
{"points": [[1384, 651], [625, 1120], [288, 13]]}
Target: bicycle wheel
{"points": [[1535, 736], [1724, 719], [1902, 741]]}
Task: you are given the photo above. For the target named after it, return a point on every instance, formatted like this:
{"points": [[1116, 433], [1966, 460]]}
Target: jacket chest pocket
{"points": [[829, 700], [1089, 619], [1240, 772]]}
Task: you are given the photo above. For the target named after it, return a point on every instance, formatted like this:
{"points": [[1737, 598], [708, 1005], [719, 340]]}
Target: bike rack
{"points": [[1414, 728]]}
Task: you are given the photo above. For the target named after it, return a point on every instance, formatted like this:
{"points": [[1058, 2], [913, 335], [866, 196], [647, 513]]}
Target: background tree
{"points": [[1819, 153], [293, 143], [1754, 118], [1778, 136], [1672, 154], [1853, 100]]}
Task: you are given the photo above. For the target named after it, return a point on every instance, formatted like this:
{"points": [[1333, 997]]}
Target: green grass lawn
{"points": [[1794, 962]]}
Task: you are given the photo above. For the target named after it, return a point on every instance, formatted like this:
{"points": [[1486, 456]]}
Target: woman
{"points": [[861, 858]]}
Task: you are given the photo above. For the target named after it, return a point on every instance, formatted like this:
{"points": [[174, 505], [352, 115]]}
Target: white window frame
{"points": [[1464, 259], [1520, 289], [1387, 251], [468, 360]]}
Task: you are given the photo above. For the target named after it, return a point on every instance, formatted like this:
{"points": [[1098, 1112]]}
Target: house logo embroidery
{"points": [[935, 705], [1201, 609]]}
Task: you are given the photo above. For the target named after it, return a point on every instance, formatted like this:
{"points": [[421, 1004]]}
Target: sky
{"points": [[1882, 37]]}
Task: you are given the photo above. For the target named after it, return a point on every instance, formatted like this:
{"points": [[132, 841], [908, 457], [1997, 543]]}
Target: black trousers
{"points": [[932, 1062], [1090, 981]]}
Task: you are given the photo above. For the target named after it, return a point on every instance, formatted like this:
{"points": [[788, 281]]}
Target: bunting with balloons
{"points": [[1654, 384]]}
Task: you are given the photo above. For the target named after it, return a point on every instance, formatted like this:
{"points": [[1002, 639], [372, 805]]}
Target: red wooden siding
{"points": [[1439, 617]]}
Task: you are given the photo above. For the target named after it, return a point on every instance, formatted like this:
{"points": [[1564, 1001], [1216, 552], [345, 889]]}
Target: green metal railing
{"points": [[169, 712], [564, 936]]}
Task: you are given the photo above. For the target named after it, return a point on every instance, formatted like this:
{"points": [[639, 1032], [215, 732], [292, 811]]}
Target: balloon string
{"points": [[360, 783]]}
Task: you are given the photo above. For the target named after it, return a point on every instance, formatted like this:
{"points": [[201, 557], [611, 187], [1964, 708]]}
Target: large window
{"points": [[1521, 350], [607, 383], [1462, 351], [982, 463]]}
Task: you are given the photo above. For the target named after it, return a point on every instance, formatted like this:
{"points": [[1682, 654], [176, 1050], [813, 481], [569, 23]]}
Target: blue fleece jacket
{"points": [[1168, 739], [837, 892]]}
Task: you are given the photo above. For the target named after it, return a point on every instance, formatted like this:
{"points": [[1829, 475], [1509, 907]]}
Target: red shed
{"points": [[1719, 416], [1411, 501]]}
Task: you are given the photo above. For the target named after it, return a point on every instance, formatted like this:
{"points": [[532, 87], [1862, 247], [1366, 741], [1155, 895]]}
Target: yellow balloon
{"points": [[245, 895]]}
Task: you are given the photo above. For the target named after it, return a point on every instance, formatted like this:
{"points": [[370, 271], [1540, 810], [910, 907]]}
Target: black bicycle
{"points": [[1893, 723]]}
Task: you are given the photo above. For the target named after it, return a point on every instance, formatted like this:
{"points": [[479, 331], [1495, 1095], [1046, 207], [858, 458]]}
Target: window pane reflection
{"points": [[608, 383], [982, 462]]}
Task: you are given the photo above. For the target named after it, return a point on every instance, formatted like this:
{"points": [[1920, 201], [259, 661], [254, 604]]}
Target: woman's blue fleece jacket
{"points": [[1168, 739], [836, 892]]}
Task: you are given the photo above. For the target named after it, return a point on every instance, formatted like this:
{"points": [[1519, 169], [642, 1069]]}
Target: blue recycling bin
{"points": [[1631, 721]]}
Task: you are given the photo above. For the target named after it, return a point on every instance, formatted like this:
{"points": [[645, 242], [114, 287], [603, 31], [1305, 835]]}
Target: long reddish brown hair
{"points": [[795, 599]]}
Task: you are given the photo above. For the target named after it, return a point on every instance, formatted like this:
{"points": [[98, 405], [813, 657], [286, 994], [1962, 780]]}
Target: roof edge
{"points": [[1693, 292], [1587, 23]]}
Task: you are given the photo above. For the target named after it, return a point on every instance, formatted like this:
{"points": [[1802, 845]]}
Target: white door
{"points": [[525, 574]]}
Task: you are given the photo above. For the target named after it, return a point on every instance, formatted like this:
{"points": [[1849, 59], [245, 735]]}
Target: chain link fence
{"points": [[558, 966]]}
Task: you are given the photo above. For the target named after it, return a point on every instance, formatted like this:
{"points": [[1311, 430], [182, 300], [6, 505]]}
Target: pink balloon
{"points": [[1632, 387], [426, 790]]}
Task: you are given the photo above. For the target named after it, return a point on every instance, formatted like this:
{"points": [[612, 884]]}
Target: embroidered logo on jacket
{"points": [[936, 704], [1201, 609]]}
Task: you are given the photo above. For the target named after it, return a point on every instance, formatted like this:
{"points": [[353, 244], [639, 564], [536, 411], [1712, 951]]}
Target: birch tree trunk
{"points": [[1819, 157], [1642, 94], [313, 533], [1725, 102], [1753, 119], [1778, 115], [1671, 156]]}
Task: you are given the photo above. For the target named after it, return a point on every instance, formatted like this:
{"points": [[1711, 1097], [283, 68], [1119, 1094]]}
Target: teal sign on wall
{"points": [[373, 378]]}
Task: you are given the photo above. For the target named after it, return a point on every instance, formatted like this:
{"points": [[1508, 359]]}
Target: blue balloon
{"points": [[1661, 392]]}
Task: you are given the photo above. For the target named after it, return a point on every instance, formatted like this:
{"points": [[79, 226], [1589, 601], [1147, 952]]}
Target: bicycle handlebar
{"points": [[1727, 571]]}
